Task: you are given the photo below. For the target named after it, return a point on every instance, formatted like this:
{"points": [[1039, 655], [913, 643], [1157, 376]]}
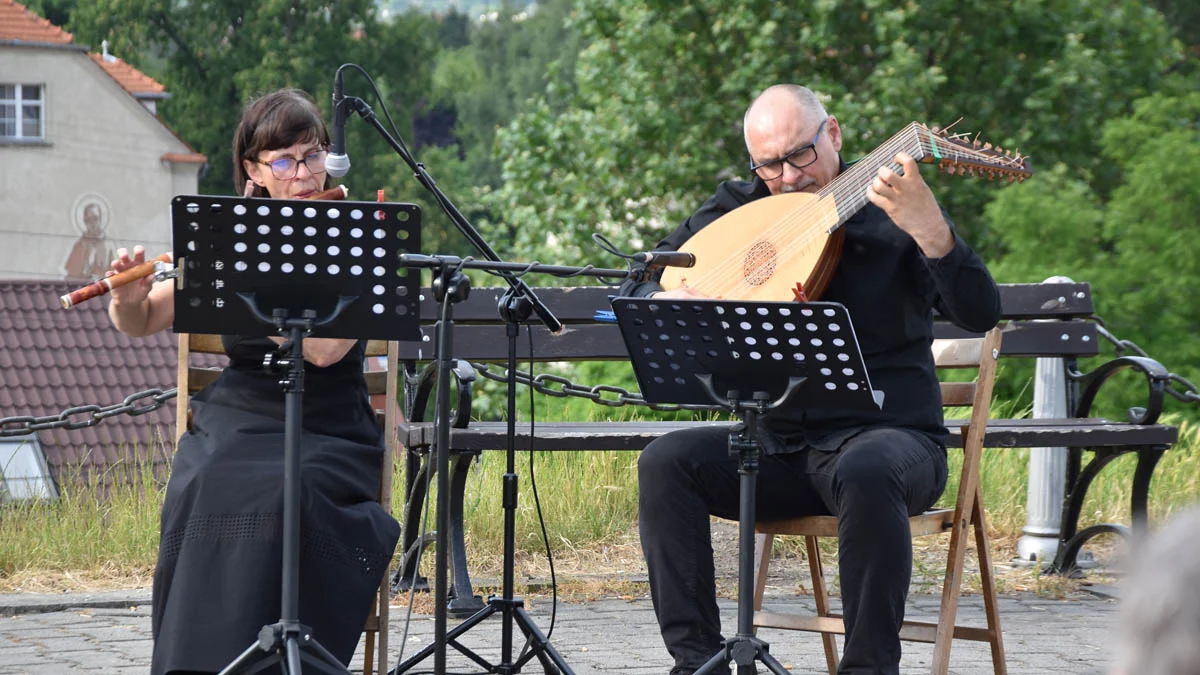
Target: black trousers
{"points": [[873, 482]]}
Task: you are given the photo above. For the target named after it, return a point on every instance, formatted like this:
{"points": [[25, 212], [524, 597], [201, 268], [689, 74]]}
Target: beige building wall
{"points": [[101, 162]]}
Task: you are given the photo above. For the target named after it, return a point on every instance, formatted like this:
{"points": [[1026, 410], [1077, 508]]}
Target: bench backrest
{"points": [[1039, 320]]}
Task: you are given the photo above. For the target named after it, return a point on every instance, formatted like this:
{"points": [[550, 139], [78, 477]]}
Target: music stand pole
{"points": [[450, 286], [286, 638], [745, 648]]}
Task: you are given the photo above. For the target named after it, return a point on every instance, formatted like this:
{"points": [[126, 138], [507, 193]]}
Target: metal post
{"points": [[1047, 466]]}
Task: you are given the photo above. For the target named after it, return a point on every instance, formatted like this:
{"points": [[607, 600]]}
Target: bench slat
{"points": [[578, 304], [1001, 433], [604, 342]]}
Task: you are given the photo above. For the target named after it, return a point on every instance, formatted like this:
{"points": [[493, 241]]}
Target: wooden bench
{"points": [[1040, 320]]}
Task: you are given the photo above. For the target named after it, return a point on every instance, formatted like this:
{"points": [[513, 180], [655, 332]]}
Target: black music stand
{"points": [[762, 355], [301, 268]]}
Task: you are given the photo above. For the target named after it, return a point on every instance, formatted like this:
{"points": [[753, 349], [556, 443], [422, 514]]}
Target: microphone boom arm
{"points": [[460, 221]]}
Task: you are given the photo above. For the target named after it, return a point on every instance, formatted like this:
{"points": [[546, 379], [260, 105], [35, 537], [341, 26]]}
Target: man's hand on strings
{"points": [[908, 201]]}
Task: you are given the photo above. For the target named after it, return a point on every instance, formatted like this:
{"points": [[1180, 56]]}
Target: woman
{"points": [[217, 581]]}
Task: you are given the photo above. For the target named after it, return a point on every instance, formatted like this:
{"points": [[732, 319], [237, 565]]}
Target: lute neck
{"points": [[849, 189]]}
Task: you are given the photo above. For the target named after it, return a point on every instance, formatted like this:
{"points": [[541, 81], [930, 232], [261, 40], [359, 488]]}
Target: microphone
{"points": [[655, 259], [337, 164]]}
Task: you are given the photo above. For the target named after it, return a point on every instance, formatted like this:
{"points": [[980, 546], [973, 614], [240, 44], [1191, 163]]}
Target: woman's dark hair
{"points": [[277, 120]]}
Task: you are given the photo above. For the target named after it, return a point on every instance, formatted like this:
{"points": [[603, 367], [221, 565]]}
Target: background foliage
{"points": [[549, 121]]}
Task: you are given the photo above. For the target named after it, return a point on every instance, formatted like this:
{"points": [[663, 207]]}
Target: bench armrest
{"points": [[1157, 378], [419, 388]]}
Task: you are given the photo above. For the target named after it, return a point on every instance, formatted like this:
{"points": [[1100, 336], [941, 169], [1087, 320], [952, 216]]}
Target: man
{"points": [[901, 259]]}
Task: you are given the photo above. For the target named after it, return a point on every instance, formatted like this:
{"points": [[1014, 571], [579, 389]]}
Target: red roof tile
{"points": [[131, 79], [38, 379], [18, 23]]}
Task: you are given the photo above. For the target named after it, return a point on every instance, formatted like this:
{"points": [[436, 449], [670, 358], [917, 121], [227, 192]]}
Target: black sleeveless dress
{"points": [[217, 581]]}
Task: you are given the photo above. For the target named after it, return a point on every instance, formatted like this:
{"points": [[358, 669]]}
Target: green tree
{"points": [[57, 12], [220, 53], [662, 86], [1139, 248], [507, 61]]}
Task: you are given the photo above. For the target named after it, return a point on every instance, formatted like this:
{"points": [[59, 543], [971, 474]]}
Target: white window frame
{"points": [[18, 105], [24, 473]]}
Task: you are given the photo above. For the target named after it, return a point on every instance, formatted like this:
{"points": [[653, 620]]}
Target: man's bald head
{"points": [[782, 99]]}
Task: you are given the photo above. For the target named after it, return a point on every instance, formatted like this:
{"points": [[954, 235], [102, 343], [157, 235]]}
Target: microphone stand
{"points": [[452, 286]]}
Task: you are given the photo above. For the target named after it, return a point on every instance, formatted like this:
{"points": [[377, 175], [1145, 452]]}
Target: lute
{"points": [[787, 246]]}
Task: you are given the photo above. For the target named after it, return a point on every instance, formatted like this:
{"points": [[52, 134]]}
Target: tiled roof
{"points": [[52, 359], [18, 23], [131, 79]]}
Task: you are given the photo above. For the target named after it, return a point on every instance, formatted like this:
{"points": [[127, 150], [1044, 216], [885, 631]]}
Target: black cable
{"points": [[637, 270], [537, 500], [609, 247], [412, 583]]}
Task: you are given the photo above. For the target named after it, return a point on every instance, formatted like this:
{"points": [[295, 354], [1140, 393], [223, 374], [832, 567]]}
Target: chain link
{"points": [[546, 383], [83, 416], [1186, 391]]}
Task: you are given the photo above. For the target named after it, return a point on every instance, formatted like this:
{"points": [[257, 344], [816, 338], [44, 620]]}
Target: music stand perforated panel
{"points": [[747, 346], [296, 255]]}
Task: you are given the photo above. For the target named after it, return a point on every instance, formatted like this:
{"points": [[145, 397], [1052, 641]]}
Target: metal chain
{"points": [[546, 383], [82, 416], [79, 417], [1187, 392], [1177, 386]]}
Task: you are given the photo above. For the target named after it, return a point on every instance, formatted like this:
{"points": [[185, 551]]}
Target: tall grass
{"points": [[94, 537], [102, 531]]}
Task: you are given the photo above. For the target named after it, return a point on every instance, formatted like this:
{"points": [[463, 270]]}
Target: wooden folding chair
{"points": [[194, 378], [980, 353]]}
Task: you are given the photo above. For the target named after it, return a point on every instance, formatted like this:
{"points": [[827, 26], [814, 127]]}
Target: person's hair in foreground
{"points": [[1158, 632]]}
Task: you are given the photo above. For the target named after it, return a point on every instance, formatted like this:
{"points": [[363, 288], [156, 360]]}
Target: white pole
{"points": [[1047, 466]]}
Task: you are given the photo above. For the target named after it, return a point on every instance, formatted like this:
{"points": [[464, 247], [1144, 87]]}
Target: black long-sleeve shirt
{"points": [[890, 289]]}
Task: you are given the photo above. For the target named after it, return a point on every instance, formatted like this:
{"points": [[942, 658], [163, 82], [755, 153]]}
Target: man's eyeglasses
{"points": [[798, 158], [285, 168]]}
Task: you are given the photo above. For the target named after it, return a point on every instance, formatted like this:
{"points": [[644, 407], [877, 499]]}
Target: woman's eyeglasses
{"points": [[286, 168]]}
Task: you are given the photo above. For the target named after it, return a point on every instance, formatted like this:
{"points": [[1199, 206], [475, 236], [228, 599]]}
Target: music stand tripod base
{"points": [[749, 358]]}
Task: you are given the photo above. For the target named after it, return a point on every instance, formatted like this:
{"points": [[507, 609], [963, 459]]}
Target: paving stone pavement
{"points": [[110, 633]]}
